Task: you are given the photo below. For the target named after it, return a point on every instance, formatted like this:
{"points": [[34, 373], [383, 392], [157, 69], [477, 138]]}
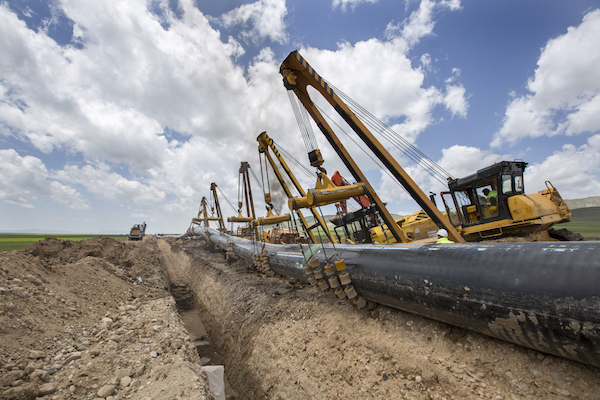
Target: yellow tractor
{"points": [[490, 204]]}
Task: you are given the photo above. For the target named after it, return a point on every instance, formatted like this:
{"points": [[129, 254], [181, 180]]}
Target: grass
{"points": [[585, 221], [15, 241]]}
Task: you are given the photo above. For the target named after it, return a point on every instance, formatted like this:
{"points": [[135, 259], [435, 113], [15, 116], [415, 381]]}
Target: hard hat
{"points": [[442, 233]]}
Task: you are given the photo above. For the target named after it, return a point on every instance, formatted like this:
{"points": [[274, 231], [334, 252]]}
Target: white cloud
{"points": [[259, 21], [455, 100], [420, 23], [369, 72], [25, 179], [112, 103], [344, 4], [572, 170], [565, 91], [107, 185]]}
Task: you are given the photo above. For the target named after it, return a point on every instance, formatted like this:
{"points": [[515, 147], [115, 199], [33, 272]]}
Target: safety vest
{"points": [[444, 240], [492, 195]]}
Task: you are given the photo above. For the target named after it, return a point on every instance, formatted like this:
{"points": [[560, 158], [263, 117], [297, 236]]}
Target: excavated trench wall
{"points": [[280, 338]]}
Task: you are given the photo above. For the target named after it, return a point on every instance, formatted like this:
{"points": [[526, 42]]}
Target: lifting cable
{"points": [[370, 155], [303, 123], [226, 199], [255, 178], [294, 161], [410, 150]]}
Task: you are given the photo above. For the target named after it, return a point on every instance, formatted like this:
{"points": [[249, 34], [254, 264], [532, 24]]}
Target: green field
{"points": [[15, 241], [585, 221]]}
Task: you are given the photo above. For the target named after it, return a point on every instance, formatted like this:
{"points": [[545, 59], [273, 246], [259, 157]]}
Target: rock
{"points": [[8, 378], [51, 369], [40, 374], [46, 389], [23, 392], [106, 390], [139, 371], [111, 344], [153, 354], [107, 321], [122, 373], [115, 338], [29, 369], [83, 345], [34, 279], [125, 381], [73, 356], [34, 354], [135, 384], [95, 352]]}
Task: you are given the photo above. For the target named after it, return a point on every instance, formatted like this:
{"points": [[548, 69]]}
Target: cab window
{"points": [[487, 196], [453, 213], [518, 184], [506, 184], [465, 200]]}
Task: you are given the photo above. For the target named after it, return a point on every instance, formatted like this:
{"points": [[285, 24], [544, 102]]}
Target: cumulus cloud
{"points": [[107, 185], [25, 180], [564, 93], [572, 170], [261, 20], [344, 4], [147, 100], [421, 22], [154, 107], [379, 74]]}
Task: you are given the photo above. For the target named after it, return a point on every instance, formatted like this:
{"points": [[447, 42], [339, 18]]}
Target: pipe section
{"points": [[541, 295]]}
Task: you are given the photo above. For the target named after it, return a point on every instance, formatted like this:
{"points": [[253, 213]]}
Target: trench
{"points": [[280, 338], [193, 315], [192, 319]]}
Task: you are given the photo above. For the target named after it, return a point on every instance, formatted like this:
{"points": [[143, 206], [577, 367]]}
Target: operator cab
{"points": [[482, 197]]}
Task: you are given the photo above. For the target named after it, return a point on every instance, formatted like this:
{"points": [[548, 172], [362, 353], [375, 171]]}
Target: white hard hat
{"points": [[442, 233]]}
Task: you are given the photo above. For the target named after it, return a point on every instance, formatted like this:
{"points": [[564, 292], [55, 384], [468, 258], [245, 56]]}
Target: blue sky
{"points": [[114, 113]]}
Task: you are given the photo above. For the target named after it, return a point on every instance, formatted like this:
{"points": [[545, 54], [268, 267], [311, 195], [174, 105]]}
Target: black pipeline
{"points": [[541, 295]]}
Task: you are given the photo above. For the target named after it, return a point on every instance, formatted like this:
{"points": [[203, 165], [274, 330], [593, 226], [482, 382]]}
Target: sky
{"points": [[118, 112]]}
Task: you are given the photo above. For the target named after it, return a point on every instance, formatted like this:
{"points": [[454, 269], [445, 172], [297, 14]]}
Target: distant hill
{"points": [[584, 203], [585, 221]]}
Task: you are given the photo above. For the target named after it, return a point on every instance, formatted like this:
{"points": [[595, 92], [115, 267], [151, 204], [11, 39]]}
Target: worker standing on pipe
{"points": [[442, 235]]}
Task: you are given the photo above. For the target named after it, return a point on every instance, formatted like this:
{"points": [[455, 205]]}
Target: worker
{"points": [[491, 197], [442, 235]]}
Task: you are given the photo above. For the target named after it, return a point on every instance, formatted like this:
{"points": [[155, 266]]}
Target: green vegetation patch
{"points": [[585, 221], [15, 241]]}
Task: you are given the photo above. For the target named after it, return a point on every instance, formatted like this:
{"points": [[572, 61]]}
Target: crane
{"points": [[297, 76], [265, 143]]}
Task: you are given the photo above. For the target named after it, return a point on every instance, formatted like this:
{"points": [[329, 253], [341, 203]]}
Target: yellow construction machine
{"points": [[490, 204], [486, 205]]}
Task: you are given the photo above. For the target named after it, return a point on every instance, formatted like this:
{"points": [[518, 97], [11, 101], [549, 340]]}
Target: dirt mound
{"points": [[130, 261], [77, 322]]}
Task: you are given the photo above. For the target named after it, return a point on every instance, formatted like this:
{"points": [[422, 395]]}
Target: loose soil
{"points": [[107, 318]]}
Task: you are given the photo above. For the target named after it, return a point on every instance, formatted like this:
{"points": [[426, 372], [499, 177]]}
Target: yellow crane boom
{"points": [[297, 76]]}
